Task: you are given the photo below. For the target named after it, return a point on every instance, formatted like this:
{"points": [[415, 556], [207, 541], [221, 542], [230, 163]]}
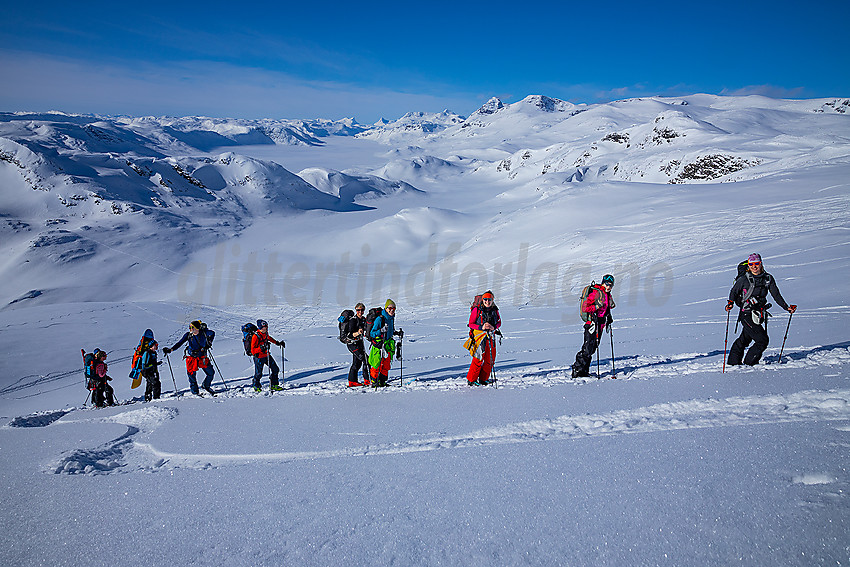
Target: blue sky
{"points": [[381, 59]]}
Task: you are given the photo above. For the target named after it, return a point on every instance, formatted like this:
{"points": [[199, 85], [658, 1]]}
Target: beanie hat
{"points": [[196, 324], [487, 295], [262, 323], [148, 334], [754, 259], [608, 278], [390, 303]]}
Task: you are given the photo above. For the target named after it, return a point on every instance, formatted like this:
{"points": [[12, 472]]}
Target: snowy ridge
{"points": [[411, 126]]}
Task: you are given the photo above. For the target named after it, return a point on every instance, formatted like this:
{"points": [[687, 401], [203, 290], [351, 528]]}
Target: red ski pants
{"points": [[480, 368], [384, 368]]}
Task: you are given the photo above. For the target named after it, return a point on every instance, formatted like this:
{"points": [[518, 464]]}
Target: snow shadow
{"points": [[452, 372], [313, 372]]}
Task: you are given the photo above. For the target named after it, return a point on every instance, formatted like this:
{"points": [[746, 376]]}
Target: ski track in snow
{"points": [[126, 454]]}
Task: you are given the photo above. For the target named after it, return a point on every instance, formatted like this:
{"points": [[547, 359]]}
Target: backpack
{"points": [[584, 293], [248, 330], [373, 314], [139, 358], [343, 323], [743, 270], [89, 364]]}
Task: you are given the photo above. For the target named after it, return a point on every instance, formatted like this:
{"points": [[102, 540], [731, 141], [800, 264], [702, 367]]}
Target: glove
{"points": [[729, 305], [398, 351], [792, 309], [283, 344], [400, 333], [609, 319], [167, 350]]}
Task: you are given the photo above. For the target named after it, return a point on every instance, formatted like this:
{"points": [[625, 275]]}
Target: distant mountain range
{"points": [[72, 183]]}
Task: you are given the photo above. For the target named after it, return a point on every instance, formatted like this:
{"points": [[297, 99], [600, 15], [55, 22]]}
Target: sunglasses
{"points": [[755, 263]]}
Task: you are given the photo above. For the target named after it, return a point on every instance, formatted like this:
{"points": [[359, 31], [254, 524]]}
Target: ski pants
{"points": [[103, 392], [153, 387], [584, 357], [195, 363], [479, 368], [380, 374], [258, 370], [358, 361], [750, 333]]}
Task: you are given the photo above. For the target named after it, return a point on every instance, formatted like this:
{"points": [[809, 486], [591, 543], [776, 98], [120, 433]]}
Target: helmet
{"points": [[262, 323]]}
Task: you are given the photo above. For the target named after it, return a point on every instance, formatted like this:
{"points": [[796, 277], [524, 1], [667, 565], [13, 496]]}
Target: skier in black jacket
{"points": [[354, 330], [750, 294]]}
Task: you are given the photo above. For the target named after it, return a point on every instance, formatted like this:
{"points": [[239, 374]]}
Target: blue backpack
{"points": [[248, 330]]}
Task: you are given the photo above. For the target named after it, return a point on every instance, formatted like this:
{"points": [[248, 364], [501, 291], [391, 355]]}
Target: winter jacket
{"points": [[600, 303], [100, 369], [481, 315], [353, 325], [760, 286], [197, 344], [260, 344], [384, 326]]}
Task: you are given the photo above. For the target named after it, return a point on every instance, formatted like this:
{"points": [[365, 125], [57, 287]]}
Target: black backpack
{"points": [[373, 314], [343, 324], [744, 270], [248, 330]]}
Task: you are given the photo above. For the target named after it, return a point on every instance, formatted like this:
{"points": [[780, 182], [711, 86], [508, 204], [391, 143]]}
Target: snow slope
{"points": [[673, 463]]}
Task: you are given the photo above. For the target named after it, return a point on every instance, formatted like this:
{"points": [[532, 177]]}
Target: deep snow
{"points": [[672, 463]]}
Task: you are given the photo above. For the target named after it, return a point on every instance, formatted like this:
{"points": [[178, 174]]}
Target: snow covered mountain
{"points": [[411, 127]]}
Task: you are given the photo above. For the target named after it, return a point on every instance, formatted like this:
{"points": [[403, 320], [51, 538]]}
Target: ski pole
{"points": [[611, 332], [282, 367], [172, 373], [784, 339], [726, 339], [220, 375], [493, 362]]}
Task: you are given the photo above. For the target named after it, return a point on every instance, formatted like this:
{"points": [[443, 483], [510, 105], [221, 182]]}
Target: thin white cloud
{"points": [[38, 83]]}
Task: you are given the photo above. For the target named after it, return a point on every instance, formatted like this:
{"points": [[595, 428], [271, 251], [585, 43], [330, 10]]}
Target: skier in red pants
{"points": [[484, 317]]}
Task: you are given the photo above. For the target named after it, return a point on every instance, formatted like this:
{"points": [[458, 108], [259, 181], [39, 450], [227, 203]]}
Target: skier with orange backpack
{"points": [[145, 366]]}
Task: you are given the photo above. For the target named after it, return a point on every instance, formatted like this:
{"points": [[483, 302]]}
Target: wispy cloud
{"points": [[38, 83]]}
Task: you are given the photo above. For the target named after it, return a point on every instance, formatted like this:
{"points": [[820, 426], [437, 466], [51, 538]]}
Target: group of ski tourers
{"points": [[377, 327]]}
